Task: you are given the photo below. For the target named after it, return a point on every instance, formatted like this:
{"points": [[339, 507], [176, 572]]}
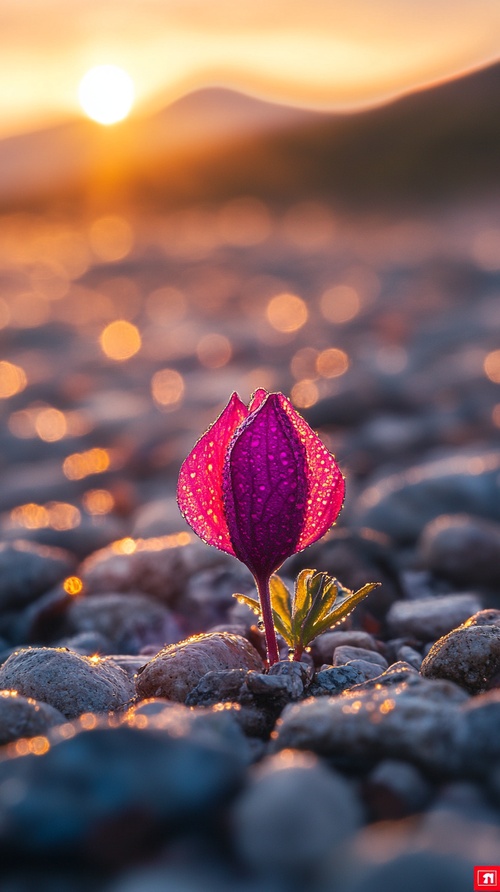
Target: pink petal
{"points": [[326, 483], [257, 399], [199, 490]]}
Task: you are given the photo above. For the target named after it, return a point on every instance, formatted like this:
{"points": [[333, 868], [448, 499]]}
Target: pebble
{"points": [[111, 796], [345, 653], [429, 618], [69, 682], [395, 789], [28, 569], [401, 504], [25, 717], [335, 680], [178, 668], [409, 872], [159, 567], [87, 643], [128, 621], [323, 646], [287, 793], [409, 655], [479, 738], [358, 728], [366, 667], [462, 548], [469, 656]]}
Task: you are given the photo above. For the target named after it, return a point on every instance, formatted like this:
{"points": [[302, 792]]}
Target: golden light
{"points": [[495, 415], [165, 306], [111, 238], [73, 585], [167, 387], [214, 351], [12, 379], [81, 464], [106, 94], [51, 425], [303, 363], [332, 362], [340, 303], [286, 312], [304, 394], [120, 340], [98, 501], [492, 366]]}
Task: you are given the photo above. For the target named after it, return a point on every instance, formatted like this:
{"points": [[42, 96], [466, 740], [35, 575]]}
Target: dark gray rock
{"points": [[400, 504], [128, 621], [410, 872], [345, 653], [395, 789], [27, 570], [367, 668], [114, 795], [431, 618], [217, 687], [87, 643], [25, 717], [409, 655], [335, 680], [69, 682], [469, 656], [462, 548], [177, 669], [287, 793], [323, 647], [479, 737]]}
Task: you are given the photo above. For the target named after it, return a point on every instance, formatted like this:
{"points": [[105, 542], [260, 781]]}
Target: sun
{"points": [[106, 94]]}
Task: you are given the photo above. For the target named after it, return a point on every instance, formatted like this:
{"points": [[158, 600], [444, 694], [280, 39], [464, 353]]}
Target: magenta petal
{"points": [[326, 483], [265, 488], [199, 490], [257, 399]]}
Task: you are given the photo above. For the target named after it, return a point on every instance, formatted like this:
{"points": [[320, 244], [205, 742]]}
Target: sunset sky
{"points": [[330, 54]]}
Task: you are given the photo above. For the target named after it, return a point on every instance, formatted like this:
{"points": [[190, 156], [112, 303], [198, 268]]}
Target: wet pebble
{"points": [[287, 793], [479, 738], [141, 788], [323, 647], [429, 618], [177, 669], [395, 789], [346, 653], [69, 682], [469, 656], [128, 622], [328, 682], [28, 569], [462, 548], [25, 717]]}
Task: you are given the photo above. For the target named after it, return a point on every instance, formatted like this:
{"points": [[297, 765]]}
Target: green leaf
{"points": [[339, 610], [281, 604], [301, 601], [253, 603]]}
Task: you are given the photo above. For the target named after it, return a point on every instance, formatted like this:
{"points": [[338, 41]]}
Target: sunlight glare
{"points": [[106, 94]]}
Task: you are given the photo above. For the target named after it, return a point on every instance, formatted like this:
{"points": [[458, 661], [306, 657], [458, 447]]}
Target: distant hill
{"points": [[214, 144]]}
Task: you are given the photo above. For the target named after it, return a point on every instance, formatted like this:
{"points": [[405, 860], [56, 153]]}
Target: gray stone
{"points": [[367, 668], [469, 656], [323, 647], [129, 621], [395, 789], [345, 653], [159, 567], [479, 739], [67, 681], [28, 569], [409, 655], [177, 669], [335, 680], [359, 728], [293, 812], [86, 643], [462, 548], [217, 687], [430, 618], [25, 717]]}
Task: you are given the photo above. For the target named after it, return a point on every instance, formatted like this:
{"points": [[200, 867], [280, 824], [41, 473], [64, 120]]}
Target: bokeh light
{"points": [[492, 366], [106, 94], [166, 305], [167, 388], [287, 312], [120, 340], [304, 393], [12, 379], [340, 303], [82, 464], [332, 363], [214, 351], [51, 425], [98, 501], [111, 238]]}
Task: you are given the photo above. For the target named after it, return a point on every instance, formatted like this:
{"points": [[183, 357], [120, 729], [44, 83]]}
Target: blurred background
{"points": [[196, 199]]}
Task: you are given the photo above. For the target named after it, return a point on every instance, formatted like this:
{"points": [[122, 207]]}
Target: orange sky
{"points": [[331, 54]]}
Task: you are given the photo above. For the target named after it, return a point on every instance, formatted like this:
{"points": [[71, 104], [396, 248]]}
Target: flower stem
{"points": [[267, 616], [297, 654]]}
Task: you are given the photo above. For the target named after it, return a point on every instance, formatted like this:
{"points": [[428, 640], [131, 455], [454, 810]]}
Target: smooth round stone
{"points": [[25, 717], [72, 683], [480, 733], [345, 653], [395, 789], [401, 504], [335, 680], [129, 621], [429, 618], [177, 669], [462, 548], [469, 656], [323, 647], [360, 727], [291, 815], [28, 569], [159, 567], [113, 795], [87, 643]]}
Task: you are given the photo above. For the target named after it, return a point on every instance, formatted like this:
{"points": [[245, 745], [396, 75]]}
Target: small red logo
{"points": [[487, 878]]}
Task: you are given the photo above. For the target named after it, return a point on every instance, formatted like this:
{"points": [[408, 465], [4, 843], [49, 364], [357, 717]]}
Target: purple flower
{"points": [[261, 486]]}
